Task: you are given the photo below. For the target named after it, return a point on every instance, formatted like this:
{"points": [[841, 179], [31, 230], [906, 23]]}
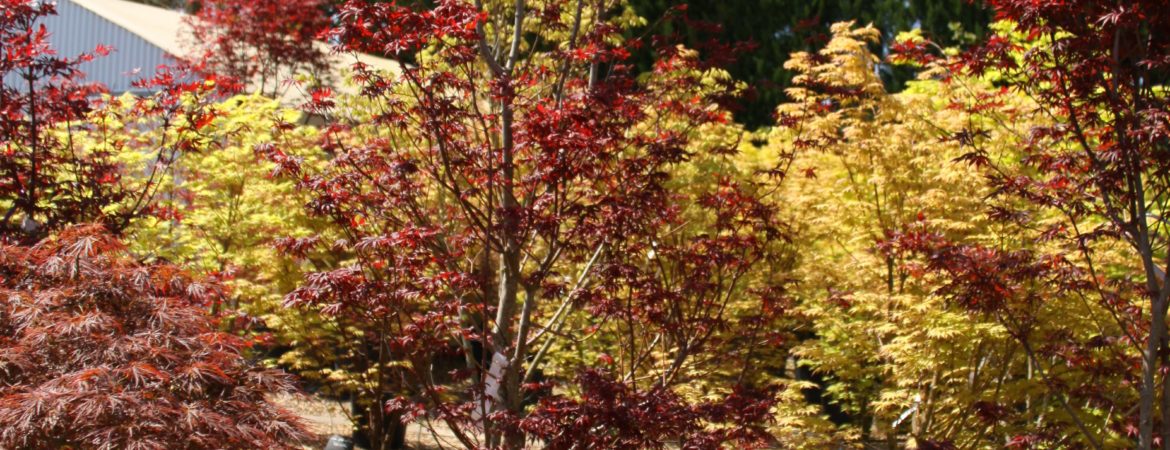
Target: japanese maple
{"points": [[980, 297], [517, 191], [890, 359], [263, 43], [51, 180], [1096, 68], [1077, 174], [99, 351], [39, 91]]}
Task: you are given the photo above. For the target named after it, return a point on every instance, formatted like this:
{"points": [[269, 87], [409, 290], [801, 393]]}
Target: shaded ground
{"points": [[326, 417]]}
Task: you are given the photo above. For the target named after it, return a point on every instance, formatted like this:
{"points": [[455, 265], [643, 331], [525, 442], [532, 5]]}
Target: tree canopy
{"points": [[595, 224]]}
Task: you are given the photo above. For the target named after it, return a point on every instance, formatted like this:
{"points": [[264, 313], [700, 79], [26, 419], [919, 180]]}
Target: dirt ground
{"points": [[326, 417]]}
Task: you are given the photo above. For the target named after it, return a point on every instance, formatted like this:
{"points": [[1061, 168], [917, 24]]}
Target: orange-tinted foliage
{"points": [[99, 351]]}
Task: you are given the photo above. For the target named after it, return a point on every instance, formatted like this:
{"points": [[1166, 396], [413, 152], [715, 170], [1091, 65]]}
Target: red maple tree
{"points": [[262, 43], [99, 351], [96, 350], [1108, 153], [40, 90], [502, 185], [1101, 163], [49, 181]]}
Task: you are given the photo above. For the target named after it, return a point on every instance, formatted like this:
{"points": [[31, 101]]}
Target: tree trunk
{"points": [[1150, 358], [388, 433], [509, 273], [1158, 301], [1164, 355]]}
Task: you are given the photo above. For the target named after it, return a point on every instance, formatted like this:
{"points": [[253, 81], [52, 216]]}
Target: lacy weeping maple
{"points": [[98, 351], [517, 193]]}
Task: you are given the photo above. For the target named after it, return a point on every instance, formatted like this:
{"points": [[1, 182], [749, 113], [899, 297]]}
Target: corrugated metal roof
{"points": [[158, 26], [76, 29], [142, 36]]}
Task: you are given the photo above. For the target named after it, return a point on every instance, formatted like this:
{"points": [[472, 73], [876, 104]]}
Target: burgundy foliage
{"points": [[491, 188], [98, 351], [261, 42], [48, 93], [612, 414], [48, 181]]}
